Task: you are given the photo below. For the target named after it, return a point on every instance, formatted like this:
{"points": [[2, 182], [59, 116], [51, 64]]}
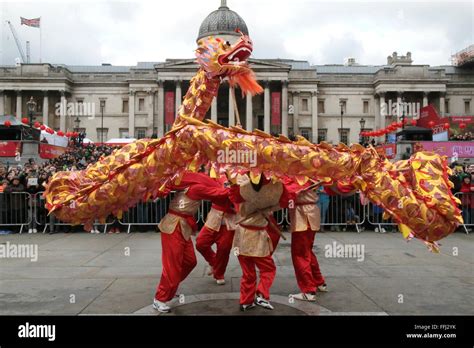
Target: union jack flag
{"points": [[35, 22]]}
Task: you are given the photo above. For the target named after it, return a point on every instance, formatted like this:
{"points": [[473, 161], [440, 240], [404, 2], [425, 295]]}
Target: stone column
{"points": [[266, 108], [45, 107], [383, 113], [19, 104], [296, 107], [131, 114], [151, 112], [179, 97], [442, 104], [425, 98], [399, 105], [161, 109], [2, 103], [284, 108], [249, 112], [383, 110], [377, 111], [214, 110], [63, 112], [314, 117], [231, 109]]}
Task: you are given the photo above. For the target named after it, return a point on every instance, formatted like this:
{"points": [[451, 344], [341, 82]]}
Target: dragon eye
{"points": [[227, 43]]}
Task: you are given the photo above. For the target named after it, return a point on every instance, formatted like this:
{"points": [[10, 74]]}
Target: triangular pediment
{"points": [[256, 64]]}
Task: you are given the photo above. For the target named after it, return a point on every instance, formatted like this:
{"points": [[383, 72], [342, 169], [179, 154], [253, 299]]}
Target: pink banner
{"points": [[276, 108], [169, 108], [460, 149]]}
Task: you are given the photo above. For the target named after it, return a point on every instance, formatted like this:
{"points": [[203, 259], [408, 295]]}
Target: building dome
{"points": [[222, 21]]}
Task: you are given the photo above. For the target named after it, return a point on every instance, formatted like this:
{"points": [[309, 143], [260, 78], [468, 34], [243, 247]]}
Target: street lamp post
{"points": [[31, 104], [341, 104], [77, 123], [102, 107], [362, 127]]}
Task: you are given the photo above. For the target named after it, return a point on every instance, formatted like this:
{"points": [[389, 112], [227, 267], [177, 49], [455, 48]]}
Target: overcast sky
{"points": [[323, 32]]}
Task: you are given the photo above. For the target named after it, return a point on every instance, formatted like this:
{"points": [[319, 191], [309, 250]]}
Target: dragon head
{"points": [[220, 59]]}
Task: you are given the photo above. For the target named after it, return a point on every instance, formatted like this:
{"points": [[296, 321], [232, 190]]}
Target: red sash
{"points": [[191, 221]]}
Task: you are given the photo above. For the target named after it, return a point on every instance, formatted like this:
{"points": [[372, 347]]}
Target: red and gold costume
{"points": [[178, 257], [219, 229], [257, 235], [305, 219]]}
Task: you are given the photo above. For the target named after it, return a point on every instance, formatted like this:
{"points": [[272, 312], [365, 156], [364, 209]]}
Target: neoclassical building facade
{"points": [[320, 102]]}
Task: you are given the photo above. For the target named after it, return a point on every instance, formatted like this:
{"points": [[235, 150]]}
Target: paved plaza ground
{"points": [[84, 274]]}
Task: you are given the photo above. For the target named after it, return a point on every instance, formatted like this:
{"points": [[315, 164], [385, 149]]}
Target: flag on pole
{"points": [[35, 22]]}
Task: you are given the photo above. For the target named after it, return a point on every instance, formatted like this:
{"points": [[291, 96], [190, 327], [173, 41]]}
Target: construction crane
{"points": [[24, 59]]}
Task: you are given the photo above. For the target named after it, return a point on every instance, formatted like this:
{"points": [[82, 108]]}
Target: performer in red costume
{"points": [[178, 257], [305, 219], [218, 229], [256, 237]]}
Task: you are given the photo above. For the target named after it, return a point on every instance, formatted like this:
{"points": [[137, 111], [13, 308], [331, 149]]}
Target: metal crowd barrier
{"points": [[375, 217], [341, 211], [15, 209], [20, 209], [146, 214], [41, 217], [467, 209]]}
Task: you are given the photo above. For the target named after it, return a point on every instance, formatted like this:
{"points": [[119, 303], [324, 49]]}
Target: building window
{"points": [[140, 133], [304, 105], [344, 136], [343, 106], [123, 133], [446, 106], [305, 132], [322, 135], [102, 134], [125, 106], [467, 107], [141, 104], [321, 108], [366, 107]]}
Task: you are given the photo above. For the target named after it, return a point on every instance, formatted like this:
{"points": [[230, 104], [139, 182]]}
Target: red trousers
{"points": [[178, 260], [219, 259], [267, 271], [308, 274]]}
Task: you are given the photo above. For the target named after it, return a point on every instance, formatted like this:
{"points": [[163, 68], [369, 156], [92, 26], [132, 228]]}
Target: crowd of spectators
{"points": [[31, 178], [466, 136]]}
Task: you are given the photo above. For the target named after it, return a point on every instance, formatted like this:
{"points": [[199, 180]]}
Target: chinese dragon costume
{"points": [[415, 193]]}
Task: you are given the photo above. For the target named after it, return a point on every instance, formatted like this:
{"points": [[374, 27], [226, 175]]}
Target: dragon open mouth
{"points": [[238, 55]]}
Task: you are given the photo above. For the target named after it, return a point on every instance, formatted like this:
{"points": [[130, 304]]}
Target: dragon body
{"points": [[415, 193]]}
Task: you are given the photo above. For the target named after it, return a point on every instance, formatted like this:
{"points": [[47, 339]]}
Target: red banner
{"points": [[9, 148], [276, 108], [47, 151], [428, 114], [462, 119], [169, 108]]}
